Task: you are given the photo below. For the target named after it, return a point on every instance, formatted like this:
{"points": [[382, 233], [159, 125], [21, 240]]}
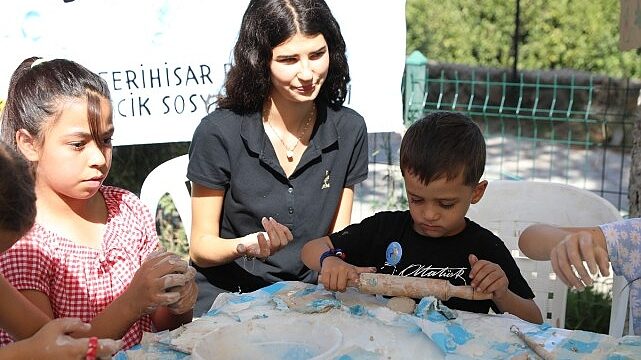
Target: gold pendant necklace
{"points": [[289, 152]]}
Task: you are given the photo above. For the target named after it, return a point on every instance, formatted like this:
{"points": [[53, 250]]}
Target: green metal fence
{"points": [[561, 126]]}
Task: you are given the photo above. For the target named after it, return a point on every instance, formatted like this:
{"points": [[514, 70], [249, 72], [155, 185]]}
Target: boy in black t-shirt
{"points": [[442, 160]]}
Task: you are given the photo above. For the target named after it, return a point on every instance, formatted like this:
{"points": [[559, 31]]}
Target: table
{"points": [[295, 320]]}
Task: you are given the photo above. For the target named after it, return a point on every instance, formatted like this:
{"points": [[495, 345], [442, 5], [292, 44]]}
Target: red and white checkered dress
{"points": [[80, 281]]}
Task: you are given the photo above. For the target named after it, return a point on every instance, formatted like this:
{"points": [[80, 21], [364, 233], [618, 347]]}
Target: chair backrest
{"points": [[508, 207], [170, 178]]}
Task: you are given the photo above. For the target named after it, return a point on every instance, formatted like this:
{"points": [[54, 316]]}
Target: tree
{"points": [[554, 34]]}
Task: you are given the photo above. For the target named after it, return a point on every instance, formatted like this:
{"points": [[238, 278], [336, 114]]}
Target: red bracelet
{"points": [[92, 348]]}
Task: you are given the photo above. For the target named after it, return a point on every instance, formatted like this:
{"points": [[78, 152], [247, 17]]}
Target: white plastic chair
{"points": [[170, 178], [620, 303], [508, 207]]}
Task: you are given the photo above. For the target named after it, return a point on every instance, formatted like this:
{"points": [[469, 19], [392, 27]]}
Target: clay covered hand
{"points": [[264, 244], [152, 285], [53, 341]]}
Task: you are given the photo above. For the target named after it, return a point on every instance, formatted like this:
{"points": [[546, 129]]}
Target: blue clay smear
{"points": [[306, 291], [414, 329], [319, 304], [435, 316], [545, 326], [580, 346], [242, 299], [502, 347], [274, 288], [461, 336], [357, 310], [444, 342]]}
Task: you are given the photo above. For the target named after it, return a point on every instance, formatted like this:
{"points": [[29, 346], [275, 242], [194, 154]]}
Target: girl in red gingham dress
{"points": [[40, 338], [92, 252]]}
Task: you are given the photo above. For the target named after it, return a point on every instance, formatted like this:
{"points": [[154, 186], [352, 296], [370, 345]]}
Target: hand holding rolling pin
{"points": [[488, 277], [336, 274]]}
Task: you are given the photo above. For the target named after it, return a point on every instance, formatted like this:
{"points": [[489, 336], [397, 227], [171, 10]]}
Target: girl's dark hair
{"points": [[267, 24], [17, 196], [38, 91], [443, 144]]}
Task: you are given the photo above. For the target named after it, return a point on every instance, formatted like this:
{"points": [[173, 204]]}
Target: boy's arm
{"points": [[53, 342], [18, 315], [312, 251], [525, 309], [334, 273], [113, 322], [489, 277]]}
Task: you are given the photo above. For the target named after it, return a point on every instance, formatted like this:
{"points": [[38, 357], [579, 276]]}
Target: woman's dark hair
{"points": [[37, 91], [17, 194], [267, 24], [443, 144]]}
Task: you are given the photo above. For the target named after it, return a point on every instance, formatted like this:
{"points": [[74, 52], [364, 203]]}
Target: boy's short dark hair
{"points": [[17, 194], [441, 144]]}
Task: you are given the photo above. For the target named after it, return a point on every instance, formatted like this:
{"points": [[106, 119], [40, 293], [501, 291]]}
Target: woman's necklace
{"points": [[290, 151]]}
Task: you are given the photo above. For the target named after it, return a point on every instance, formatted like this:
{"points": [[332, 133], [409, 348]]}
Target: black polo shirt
{"points": [[232, 152]]}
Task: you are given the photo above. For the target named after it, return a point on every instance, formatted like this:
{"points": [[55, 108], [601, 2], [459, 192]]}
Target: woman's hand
{"points": [[571, 252], [261, 244]]}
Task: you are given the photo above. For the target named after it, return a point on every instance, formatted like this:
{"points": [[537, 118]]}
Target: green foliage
{"points": [[588, 310], [554, 34], [170, 229]]}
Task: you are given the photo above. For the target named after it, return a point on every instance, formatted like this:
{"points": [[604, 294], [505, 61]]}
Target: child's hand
{"points": [[160, 272], [572, 251], [53, 341], [261, 244], [188, 294], [488, 277], [336, 274]]}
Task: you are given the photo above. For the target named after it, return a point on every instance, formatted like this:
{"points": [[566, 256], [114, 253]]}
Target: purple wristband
{"points": [[332, 252]]}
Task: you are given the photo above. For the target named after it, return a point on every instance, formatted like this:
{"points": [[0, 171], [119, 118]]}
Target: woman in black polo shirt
{"points": [[275, 164]]}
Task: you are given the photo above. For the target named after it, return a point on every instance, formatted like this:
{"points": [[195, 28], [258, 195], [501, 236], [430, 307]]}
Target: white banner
{"points": [[165, 60]]}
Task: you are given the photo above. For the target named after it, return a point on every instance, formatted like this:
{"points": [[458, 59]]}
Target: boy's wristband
{"points": [[332, 252]]}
